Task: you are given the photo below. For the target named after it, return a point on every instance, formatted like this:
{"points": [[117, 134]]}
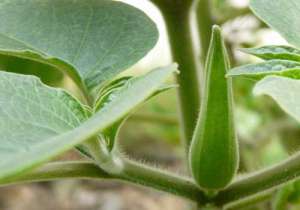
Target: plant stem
{"points": [[151, 177], [57, 171], [251, 201], [105, 159], [177, 18], [260, 181], [125, 169], [133, 173], [205, 22], [162, 180]]}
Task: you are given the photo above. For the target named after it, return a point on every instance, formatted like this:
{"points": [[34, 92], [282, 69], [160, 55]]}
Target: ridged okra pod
{"points": [[213, 154]]}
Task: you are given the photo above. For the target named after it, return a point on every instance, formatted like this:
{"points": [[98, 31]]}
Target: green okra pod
{"points": [[213, 154]]}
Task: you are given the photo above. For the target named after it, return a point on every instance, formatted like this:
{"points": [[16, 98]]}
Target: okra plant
{"points": [[90, 42]]}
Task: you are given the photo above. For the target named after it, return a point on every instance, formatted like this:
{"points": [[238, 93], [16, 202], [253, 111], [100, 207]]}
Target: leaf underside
{"points": [[285, 91], [31, 112], [271, 67], [281, 15], [38, 122], [272, 52]]}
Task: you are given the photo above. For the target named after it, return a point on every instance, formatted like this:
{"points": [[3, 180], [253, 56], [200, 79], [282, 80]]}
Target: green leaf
{"points": [[110, 92], [31, 132], [213, 155], [32, 112], [9, 58], [285, 91], [49, 75], [98, 38], [272, 67], [282, 15], [272, 52], [106, 95]]}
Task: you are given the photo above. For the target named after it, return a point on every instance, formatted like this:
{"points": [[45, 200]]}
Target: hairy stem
{"points": [[57, 171], [254, 188], [260, 181], [177, 18], [104, 158], [133, 173], [251, 201], [125, 169], [162, 180]]}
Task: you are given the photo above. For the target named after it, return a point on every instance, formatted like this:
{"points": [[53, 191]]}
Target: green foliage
{"points": [[275, 52], [93, 39], [279, 77], [49, 75], [272, 67], [284, 91], [214, 151], [32, 112], [281, 60], [107, 94], [281, 15], [49, 134]]}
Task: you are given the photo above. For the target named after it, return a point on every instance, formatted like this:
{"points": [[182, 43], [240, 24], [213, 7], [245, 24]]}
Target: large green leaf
{"points": [[282, 15], [38, 122], [272, 67], [285, 91], [99, 38]]}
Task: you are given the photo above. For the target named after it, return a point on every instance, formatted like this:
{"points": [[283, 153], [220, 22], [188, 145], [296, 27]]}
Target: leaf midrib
{"points": [[91, 70], [84, 36]]}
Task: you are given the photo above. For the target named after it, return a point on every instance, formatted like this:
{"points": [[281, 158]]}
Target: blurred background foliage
{"points": [[266, 134]]}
